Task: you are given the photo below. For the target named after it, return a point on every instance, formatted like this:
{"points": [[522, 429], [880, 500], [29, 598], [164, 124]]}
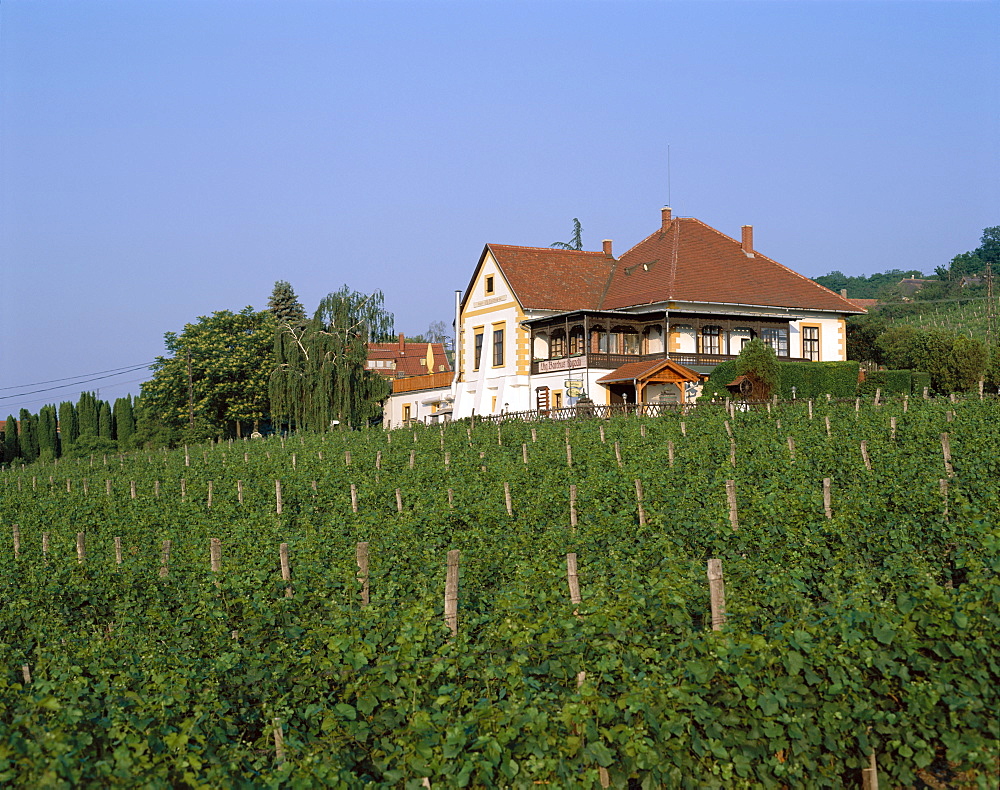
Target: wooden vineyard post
{"points": [[131, 486], [810, 404], [499, 437], [209, 502], [17, 541], [534, 436], [45, 544], [447, 459], [361, 556], [717, 593], [239, 491], [183, 489], [107, 487], [524, 453], [869, 775], [413, 458], [731, 496], [569, 455], [864, 454], [618, 455], [165, 559], [829, 433], [26, 674], [684, 431], [638, 499], [279, 741], [729, 429], [347, 458], [399, 501], [187, 456], [732, 453], [857, 405], [451, 592], [81, 548], [293, 461], [156, 488], [602, 434], [572, 507], [506, 496], [451, 499], [215, 553], [827, 506], [69, 486], [892, 428], [670, 453], [286, 571], [946, 452], [906, 402], [573, 580], [791, 449], [943, 486], [118, 550], [927, 395], [378, 459], [354, 498], [878, 397]]}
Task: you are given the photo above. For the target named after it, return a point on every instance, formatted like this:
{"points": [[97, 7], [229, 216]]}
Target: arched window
{"points": [[710, 339], [576, 344], [627, 339]]}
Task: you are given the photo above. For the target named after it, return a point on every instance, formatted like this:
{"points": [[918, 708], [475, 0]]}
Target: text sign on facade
{"points": [[566, 363]]}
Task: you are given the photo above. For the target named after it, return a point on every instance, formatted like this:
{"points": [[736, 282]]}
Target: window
{"points": [[710, 339], [406, 412], [576, 340], [630, 343], [776, 339], [557, 346], [557, 402], [497, 347], [489, 284], [810, 343], [479, 348]]}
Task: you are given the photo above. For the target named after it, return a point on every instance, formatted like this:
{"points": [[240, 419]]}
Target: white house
{"points": [[538, 323]]}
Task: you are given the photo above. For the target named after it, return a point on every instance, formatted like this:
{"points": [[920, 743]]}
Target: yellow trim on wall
{"points": [[477, 330], [842, 338], [499, 326]]}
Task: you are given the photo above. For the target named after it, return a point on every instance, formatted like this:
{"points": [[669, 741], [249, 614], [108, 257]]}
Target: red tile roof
{"points": [[688, 261], [409, 358], [552, 279], [684, 261], [864, 304], [639, 371]]}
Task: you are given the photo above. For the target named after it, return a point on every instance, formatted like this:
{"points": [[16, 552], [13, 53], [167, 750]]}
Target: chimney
{"points": [[748, 240], [607, 249], [843, 292], [665, 214], [402, 342]]}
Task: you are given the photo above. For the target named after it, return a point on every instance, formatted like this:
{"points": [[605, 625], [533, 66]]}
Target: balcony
{"points": [[613, 361]]}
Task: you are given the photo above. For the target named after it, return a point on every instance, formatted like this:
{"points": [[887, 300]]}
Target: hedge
{"points": [[810, 379]]}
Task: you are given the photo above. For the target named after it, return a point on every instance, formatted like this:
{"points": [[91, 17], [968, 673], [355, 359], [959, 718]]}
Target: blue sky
{"points": [[164, 160]]}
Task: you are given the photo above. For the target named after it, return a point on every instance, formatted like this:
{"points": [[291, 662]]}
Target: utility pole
{"points": [[190, 391], [991, 307]]}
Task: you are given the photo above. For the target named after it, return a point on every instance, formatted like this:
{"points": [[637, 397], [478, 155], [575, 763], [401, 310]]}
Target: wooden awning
{"points": [[657, 371]]}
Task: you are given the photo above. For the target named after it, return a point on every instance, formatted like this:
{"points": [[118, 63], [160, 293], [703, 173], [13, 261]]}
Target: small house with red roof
{"points": [[421, 380], [646, 327]]}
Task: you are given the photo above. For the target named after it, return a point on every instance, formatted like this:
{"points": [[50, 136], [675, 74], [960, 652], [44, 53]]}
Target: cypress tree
{"points": [[48, 434], [69, 429], [104, 424], [124, 419], [29, 436], [285, 305], [11, 443], [87, 414]]}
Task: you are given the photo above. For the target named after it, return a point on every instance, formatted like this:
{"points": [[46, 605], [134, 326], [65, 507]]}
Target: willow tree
{"points": [[320, 374]]}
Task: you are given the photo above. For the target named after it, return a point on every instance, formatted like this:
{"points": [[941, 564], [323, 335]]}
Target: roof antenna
{"points": [[669, 203]]}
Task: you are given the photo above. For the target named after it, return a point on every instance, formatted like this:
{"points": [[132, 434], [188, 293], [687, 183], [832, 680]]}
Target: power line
{"points": [[124, 369], [114, 384], [76, 384]]}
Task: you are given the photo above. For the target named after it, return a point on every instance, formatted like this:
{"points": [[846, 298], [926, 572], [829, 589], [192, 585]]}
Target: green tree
{"points": [[863, 332], [215, 380], [29, 436], [105, 426], [124, 421], [319, 370], [954, 362], [758, 361], [285, 305], [69, 428], [88, 415], [11, 441], [576, 240], [48, 433]]}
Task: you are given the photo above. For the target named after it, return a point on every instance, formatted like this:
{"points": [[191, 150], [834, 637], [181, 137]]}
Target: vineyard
{"points": [[516, 605]]}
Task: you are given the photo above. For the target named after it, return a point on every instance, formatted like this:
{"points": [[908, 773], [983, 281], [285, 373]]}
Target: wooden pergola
{"points": [[641, 374]]}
